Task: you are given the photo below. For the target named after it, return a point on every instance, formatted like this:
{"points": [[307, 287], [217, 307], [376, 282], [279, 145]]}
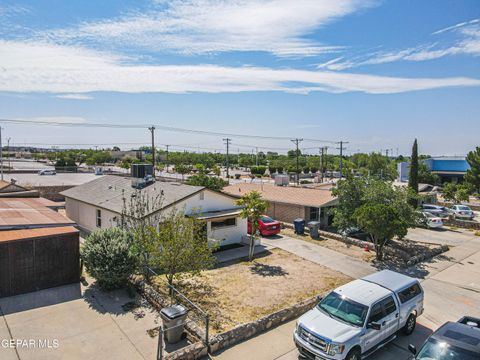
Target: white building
{"points": [[100, 203]]}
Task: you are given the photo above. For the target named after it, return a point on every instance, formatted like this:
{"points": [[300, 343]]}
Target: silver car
{"points": [[440, 211], [462, 212]]}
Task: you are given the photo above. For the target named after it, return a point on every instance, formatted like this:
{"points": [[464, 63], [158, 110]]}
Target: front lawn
{"points": [[242, 292]]}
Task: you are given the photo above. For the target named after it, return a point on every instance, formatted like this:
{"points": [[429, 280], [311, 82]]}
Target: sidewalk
{"points": [[322, 256]]}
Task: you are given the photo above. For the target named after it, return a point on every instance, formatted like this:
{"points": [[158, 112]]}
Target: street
{"points": [[451, 283]]}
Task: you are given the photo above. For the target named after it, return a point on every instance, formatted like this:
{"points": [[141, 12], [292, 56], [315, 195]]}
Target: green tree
{"points": [[108, 257], [362, 197], [210, 182], [413, 177], [456, 193], [182, 169], [473, 174], [180, 246], [425, 176], [253, 208]]}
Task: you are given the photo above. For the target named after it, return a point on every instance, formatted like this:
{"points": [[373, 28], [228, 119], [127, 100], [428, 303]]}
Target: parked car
{"points": [[360, 317], [437, 210], [452, 341], [356, 233], [266, 225], [430, 221], [47, 172], [462, 212]]}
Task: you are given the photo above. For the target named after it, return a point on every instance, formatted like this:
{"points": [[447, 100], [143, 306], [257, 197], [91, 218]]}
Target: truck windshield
{"points": [[438, 350], [344, 309]]}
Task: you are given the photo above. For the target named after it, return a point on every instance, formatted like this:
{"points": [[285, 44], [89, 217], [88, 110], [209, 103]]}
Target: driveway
{"points": [[84, 322], [442, 236], [452, 289]]}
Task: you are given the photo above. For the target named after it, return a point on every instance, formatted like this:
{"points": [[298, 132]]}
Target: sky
{"points": [[375, 74]]}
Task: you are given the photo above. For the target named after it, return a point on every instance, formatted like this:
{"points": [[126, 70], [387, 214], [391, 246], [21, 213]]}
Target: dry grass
{"points": [[242, 292], [339, 246]]}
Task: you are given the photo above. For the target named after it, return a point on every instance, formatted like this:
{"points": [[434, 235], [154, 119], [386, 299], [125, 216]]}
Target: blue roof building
{"points": [[448, 168]]}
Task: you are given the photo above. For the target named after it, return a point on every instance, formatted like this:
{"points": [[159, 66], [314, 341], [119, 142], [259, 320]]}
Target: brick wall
{"points": [[285, 212]]}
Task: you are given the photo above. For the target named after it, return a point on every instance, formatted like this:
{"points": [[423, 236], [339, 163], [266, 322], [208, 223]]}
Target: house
{"points": [[289, 203], [448, 168], [100, 203], [39, 248], [12, 189]]}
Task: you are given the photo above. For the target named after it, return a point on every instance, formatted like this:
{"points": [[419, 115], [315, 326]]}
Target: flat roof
{"points": [[218, 214], [284, 194], [24, 213], [13, 235]]}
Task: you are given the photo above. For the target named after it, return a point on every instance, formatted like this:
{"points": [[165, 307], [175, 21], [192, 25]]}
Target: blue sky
{"points": [[374, 73]]}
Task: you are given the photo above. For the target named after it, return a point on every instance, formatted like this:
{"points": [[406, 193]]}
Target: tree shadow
{"points": [[266, 270]]}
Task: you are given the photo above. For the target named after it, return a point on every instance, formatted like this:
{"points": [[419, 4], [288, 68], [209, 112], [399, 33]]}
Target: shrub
{"points": [[258, 170], [477, 233], [272, 169], [306, 169], [108, 257], [237, 176]]}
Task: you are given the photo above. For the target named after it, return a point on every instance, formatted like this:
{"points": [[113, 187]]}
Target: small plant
{"points": [[477, 233]]}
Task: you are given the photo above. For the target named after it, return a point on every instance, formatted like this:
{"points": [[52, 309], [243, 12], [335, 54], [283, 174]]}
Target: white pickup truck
{"points": [[360, 317]]}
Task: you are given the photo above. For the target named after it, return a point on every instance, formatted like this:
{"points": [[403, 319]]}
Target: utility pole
{"points": [[9, 156], [1, 151], [166, 159], [323, 151], [386, 153], [256, 156], [227, 141], [296, 141], [341, 156], [152, 130]]}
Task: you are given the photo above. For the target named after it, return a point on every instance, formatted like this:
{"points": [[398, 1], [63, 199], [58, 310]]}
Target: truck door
{"points": [[372, 337], [392, 317]]}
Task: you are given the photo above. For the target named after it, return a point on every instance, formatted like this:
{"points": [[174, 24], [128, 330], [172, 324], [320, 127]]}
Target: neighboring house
{"points": [[100, 203], [448, 168], [288, 203], [39, 248], [120, 155], [12, 189]]}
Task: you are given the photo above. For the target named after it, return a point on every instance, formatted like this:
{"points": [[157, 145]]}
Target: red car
{"points": [[266, 225]]}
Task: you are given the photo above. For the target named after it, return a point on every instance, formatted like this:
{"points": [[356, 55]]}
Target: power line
{"points": [[341, 156], [146, 126]]}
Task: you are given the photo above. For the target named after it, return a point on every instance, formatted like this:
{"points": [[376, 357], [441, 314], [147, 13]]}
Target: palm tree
{"points": [[253, 208]]}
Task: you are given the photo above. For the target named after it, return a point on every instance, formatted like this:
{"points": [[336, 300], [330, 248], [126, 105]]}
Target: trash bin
{"points": [[314, 226], [173, 318], [299, 225]]}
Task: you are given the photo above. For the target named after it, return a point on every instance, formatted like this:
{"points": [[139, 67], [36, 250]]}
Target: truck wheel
{"points": [[353, 355], [410, 324]]}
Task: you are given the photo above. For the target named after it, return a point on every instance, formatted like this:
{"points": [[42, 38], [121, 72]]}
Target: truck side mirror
{"points": [[319, 298], [412, 349], [374, 326]]}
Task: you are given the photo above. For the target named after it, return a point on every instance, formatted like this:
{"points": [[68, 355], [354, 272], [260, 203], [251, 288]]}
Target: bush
{"points": [[280, 169], [108, 257], [306, 169], [258, 170], [272, 169], [237, 176]]}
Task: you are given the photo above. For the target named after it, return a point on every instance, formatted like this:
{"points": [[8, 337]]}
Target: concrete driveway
{"points": [[452, 289], [84, 323]]}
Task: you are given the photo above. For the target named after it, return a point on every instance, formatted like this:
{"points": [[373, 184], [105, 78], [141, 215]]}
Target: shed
{"points": [[35, 259]]}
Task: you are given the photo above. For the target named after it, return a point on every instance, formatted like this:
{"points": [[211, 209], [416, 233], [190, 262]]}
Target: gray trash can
{"points": [[314, 226], [173, 318]]}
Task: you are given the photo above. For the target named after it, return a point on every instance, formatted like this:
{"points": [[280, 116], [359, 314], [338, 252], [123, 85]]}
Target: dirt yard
{"points": [[242, 292], [346, 249]]}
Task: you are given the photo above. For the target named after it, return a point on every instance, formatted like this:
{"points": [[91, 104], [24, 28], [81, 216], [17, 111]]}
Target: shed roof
{"points": [[109, 191], [284, 194], [24, 213], [12, 235]]}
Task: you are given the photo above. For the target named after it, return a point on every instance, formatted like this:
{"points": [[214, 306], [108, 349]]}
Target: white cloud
{"points": [[280, 27], [74, 96], [35, 67], [467, 42]]}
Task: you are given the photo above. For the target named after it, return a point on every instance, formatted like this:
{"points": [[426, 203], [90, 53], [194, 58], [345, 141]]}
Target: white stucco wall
{"points": [[85, 215]]}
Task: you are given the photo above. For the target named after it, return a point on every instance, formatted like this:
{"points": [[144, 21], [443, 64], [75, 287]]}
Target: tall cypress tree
{"points": [[413, 177]]}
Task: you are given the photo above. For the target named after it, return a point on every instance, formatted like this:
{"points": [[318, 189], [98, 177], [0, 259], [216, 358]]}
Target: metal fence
{"points": [[195, 313]]}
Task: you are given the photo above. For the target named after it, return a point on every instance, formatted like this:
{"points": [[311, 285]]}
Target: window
{"points": [[224, 223], [377, 313], [344, 309], [409, 293], [99, 218], [313, 213], [202, 195], [389, 305]]}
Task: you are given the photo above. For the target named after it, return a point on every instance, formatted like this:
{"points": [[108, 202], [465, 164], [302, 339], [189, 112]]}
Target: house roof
{"points": [[25, 213], [218, 214], [284, 194], [109, 191], [13, 235]]}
